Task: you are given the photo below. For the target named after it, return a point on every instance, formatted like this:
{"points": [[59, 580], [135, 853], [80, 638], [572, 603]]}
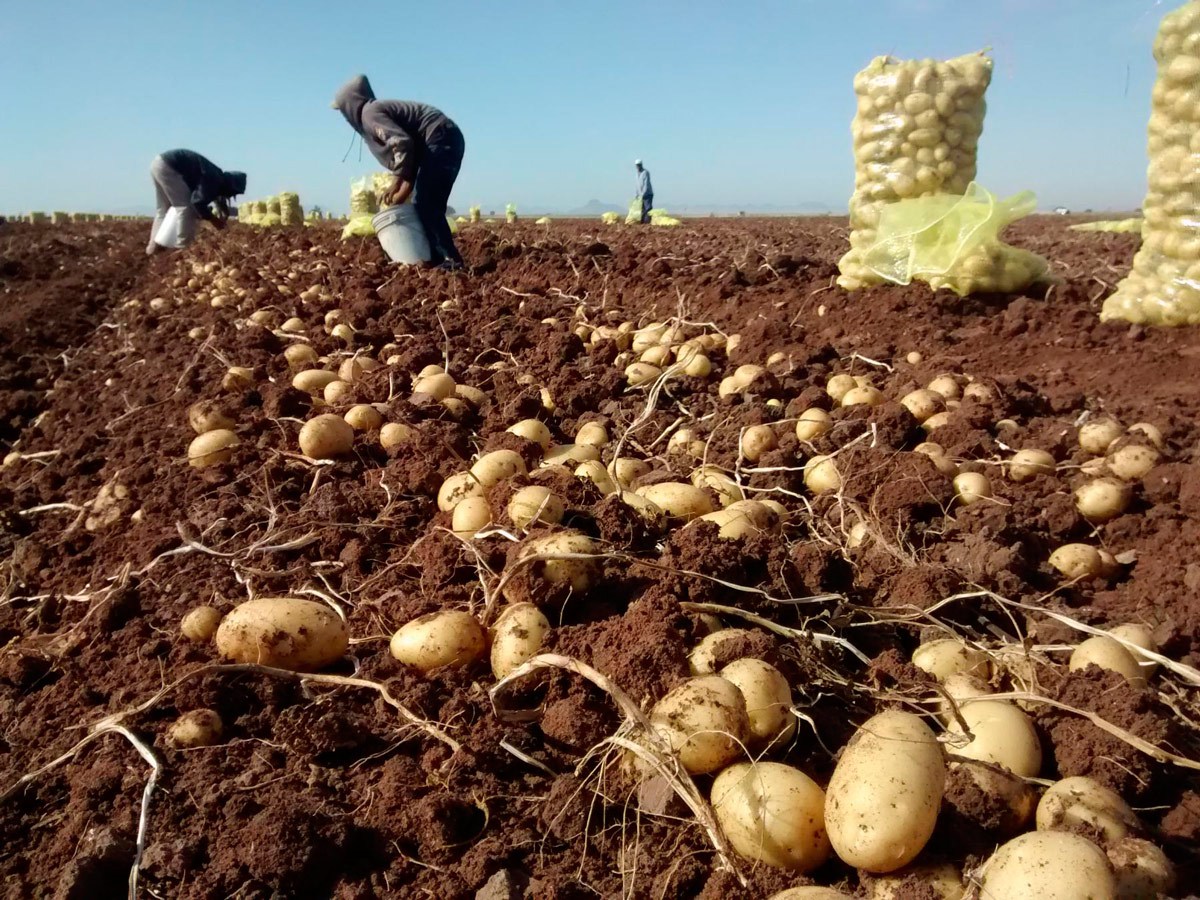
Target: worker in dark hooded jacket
{"points": [[421, 146], [192, 184]]}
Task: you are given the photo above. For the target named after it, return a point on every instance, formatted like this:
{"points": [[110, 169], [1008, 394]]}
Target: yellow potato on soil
{"points": [[499, 465], [1082, 801], [284, 633], [198, 728], [1133, 461], [1048, 865], [211, 448], [326, 436], [768, 699], [678, 500], [457, 488], [532, 430], [439, 386], [772, 813], [1102, 499], [570, 455], [470, 516], [200, 623], [1077, 561], [1003, 734], [1142, 870], [1096, 436], [209, 415], [821, 475], [950, 656], [705, 722], [449, 637], [1026, 465], [812, 424], [535, 503], [758, 440], [313, 381], [517, 637], [393, 434], [363, 417], [1108, 654], [940, 880]]}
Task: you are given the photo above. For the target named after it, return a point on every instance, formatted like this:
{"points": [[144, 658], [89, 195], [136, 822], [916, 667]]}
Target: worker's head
{"points": [[235, 183], [351, 98], [638, 164]]}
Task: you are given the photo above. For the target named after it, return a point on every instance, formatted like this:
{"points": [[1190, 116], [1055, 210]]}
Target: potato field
{"points": [[631, 563]]}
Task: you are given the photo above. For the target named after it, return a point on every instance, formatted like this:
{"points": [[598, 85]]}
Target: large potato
{"points": [[741, 519], [1048, 865], [497, 466], [1142, 870], [577, 574], [517, 637], [1080, 800], [449, 637], [768, 699], [705, 722], [1110, 654], [772, 813], [1002, 734], [678, 500], [283, 632], [882, 802]]}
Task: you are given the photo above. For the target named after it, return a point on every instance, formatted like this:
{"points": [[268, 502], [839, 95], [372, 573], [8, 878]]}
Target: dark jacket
{"points": [[397, 132], [208, 182]]}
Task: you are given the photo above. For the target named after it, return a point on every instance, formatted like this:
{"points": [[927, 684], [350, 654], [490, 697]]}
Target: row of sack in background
{"points": [[282, 209], [61, 218]]}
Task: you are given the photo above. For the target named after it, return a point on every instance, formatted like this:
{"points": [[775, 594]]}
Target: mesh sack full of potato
{"points": [[1164, 286], [915, 134], [290, 210]]}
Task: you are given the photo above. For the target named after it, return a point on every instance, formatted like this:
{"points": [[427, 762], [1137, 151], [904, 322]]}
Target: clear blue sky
{"points": [[730, 103]]}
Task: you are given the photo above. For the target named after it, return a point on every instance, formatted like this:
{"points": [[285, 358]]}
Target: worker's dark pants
{"points": [[647, 205], [435, 179]]}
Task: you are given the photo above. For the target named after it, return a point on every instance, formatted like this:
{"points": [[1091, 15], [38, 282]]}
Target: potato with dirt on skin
{"points": [[703, 658], [1102, 499], [570, 455], [768, 699], [936, 880], [1048, 865], [704, 721], [742, 519], [1001, 734], [756, 441], [449, 637], [1142, 638], [1097, 435], [1077, 561], [534, 504], [284, 633], [678, 500], [810, 892], [499, 465], [772, 813], [949, 656], [1082, 801], [813, 423], [326, 436], [209, 415], [532, 430], [457, 488], [393, 434], [1027, 464], [470, 517], [197, 728], [1110, 654], [821, 475], [1142, 870], [200, 623], [716, 480], [517, 637], [556, 559], [211, 448]]}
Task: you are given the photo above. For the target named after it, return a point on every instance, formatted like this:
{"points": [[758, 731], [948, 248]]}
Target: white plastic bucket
{"points": [[177, 228], [401, 235]]}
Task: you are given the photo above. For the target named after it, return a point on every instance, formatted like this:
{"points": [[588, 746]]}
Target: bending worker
{"points": [[421, 146], [190, 184], [645, 191]]}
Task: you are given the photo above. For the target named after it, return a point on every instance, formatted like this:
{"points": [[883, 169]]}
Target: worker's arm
{"points": [[201, 203], [398, 143], [401, 190]]}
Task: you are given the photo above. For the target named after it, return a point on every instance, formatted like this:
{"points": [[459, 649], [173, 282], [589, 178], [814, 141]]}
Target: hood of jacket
{"points": [[351, 98], [235, 183]]}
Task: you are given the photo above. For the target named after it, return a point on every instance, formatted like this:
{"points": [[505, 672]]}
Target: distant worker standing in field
{"points": [[645, 191], [421, 146], [190, 184]]}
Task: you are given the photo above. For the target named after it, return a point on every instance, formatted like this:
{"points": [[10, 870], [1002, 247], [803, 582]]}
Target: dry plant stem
{"points": [[782, 630], [651, 748]]}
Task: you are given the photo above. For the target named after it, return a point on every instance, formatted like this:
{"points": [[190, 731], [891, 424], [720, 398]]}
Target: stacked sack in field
{"points": [[1164, 286], [290, 210], [363, 207]]}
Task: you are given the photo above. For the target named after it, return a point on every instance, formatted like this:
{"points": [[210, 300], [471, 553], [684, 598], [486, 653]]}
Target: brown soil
{"points": [[107, 537]]}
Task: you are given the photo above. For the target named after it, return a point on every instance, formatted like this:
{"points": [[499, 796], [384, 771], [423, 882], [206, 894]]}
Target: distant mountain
{"points": [[595, 208]]}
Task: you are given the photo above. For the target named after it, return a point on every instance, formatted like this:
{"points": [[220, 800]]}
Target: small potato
{"points": [[705, 722], [313, 381], [640, 373], [979, 392], [703, 658], [728, 387], [594, 471], [745, 517], [1096, 436], [947, 386], [294, 325], [532, 430], [813, 423], [343, 333], [950, 656], [470, 516], [472, 395], [773, 814], [1079, 800], [393, 434], [936, 421], [209, 415], [756, 441], [971, 487], [517, 637], [1002, 734], [862, 396], [326, 437], [439, 386], [1048, 865], [535, 503], [200, 624], [942, 881], [1141, 636], [1148, 431], [300, 355], [1077, 561], [363, 417], [768, 699], [457, 488], [450, 637], [1107, 654], [593, 434], [1133, 461], [499, 465], [1026, 465], [821, 475], [337, 392], [1102, 499], [678, 500], [745, 376], [570, 455], [923, 403], [657, 356], [284, 633], [211, 448], [198, 728], [430, 370], [839, 385], [350, 370], [626, 470], [697, 366], [576, 574], [1142, 870], [937, 455], [892, 763], [714, 479]]}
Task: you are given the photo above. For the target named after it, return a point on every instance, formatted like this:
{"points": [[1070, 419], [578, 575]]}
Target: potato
{"points": [[626, 471], [208, 415], [862, 396], [470, 516], [1077, 561], [593, 433], [745, 376], [678, 500], [1002, 734], [697, 365], [640, 373], [1102, 499], [772, 814], [756, 441], [200, 623], [1048, 865], [1142, 870], [971, 487], [570, 455], [940, 880], [728, 387], [1096, 436], [284, 633], [532, 430], [535, 503], [705, 722], [979, 392], [595, 472], [1026, 465], [821, 475], [892, 763], [577, 574], [1079, 800], [350, 370], [937, 455], [439, 386], [936, 421], [839, 385], [1133, 461], [745, 517], [449, 637], [947, 386], [810, 892], [300, 355], [326, 437], [517, 637], [457, 488], [651, 514], [812, 424], [198, 728], [768, 699], [429, 371], [313, 381], [1150, 432], [211, 448], [472, 395], [727, 490], [499, 465], [1014, 798], [950, 656], [1140, 636], [1107, 654], [923, 403], [294, 325], [702, 659], [779, 509], [363, 417], [393, 434]]}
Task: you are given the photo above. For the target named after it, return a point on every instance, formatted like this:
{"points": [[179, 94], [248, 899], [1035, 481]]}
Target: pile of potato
{"points": [[1164, 286]]}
